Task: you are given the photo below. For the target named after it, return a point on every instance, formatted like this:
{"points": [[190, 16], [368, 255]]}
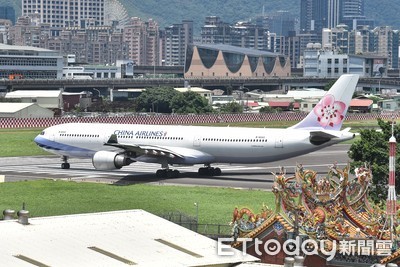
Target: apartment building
{"points": [[142, 39], [177, 37], [65, 13]]}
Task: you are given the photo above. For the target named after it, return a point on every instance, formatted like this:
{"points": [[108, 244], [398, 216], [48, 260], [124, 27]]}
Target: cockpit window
{"points": [[42, 133]]}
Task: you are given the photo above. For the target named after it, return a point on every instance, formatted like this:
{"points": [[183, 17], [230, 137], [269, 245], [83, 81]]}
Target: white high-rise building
{"points": [[65, 13]]}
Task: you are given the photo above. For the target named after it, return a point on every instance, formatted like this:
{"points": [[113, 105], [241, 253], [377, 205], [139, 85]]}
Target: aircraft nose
{"points": [[36, 140]]}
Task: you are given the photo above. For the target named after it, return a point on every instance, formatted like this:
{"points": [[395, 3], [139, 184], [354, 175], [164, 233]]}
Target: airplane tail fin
{"points": [[331, 110]]}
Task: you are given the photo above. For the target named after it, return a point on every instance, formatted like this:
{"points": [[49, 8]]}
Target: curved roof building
{"points": [[210, 60]]}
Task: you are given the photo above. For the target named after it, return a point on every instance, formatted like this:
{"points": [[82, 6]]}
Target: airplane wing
{"points": [[151, 150]]}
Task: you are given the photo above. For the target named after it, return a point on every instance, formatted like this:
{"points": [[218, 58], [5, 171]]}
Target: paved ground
{"points": [[256, 176]]}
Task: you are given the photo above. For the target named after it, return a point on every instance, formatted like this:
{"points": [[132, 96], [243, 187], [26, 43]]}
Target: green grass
{"points": [[19, 142], [48, 198]]}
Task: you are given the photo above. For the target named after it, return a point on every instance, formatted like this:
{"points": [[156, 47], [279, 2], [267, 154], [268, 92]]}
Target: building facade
{"points": [[318, 62], [143, 41], [241, 34], [66, 13], [230, 61], [177, 37], [29, 63]]}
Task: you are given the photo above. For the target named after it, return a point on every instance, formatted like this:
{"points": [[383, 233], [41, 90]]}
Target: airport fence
{"points": [[177, 119], [190, 222]]}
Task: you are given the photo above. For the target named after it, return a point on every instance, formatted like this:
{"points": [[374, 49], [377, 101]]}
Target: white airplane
{"points": [[112, 146]]}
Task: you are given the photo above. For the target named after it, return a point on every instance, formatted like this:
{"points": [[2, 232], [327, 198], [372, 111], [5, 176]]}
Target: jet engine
{"points": [[108, 160]]}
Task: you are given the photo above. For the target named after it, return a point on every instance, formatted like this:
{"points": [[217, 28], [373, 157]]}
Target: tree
{"points": [[373, 148], [190, 102], [329, 85], [156, 99], [231, 107], [268, 109]]}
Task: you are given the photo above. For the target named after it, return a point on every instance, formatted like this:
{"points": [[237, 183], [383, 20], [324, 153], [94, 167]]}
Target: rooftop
{"points": [[236, 49], [13, 107], [117, 238], [33, 93]]}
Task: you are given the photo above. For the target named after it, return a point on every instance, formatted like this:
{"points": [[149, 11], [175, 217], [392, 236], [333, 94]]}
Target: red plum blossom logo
{"points": [[329, 111]]}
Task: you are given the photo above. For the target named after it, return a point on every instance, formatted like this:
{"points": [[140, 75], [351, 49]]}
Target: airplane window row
{"points": [[81, 135], [152, 137], [234, 140]]}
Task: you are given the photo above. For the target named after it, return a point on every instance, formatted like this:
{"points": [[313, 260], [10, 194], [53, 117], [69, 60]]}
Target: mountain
{"points": [[167, 12]]}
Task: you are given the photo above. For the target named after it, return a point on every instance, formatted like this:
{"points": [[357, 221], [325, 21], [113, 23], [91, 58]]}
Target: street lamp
{"points": [[98, 91]]}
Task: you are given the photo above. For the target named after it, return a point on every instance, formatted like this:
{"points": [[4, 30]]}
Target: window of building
{"points": [[329, 61], [336, 61]]}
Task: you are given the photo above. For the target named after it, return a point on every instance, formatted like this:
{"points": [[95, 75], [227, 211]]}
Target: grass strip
{"points": [[50, 198]]}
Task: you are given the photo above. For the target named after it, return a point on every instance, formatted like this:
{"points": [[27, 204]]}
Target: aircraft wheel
{"points": [[202, 171], [65, 165], [216, 172], [175, 173], [161, 173]]}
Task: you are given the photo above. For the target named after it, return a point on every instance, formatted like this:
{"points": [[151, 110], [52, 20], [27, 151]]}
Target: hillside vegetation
{"points": [[167, 12]]}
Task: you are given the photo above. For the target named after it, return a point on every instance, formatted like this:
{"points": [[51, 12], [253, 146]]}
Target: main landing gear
{"points": [[207, 170], [165, 172], [65, 164]]}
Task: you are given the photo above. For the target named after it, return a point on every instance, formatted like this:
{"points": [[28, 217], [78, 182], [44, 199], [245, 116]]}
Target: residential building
{"points": [[288, 46], [142, 39], [215, 31], [242, 34], [386, 44], [249, 35], [177, 37], [65, 13], [5, 25]]}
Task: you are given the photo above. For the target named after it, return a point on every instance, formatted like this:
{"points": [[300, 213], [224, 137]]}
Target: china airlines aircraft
{"points": [[113, 146]]}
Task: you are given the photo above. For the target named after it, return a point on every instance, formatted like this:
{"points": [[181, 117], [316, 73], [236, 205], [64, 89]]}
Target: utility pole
{"points": [[391, 200]]}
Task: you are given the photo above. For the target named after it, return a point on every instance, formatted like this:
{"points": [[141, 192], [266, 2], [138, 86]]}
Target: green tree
{"points": [[329, 85], [190, 102], [231, 107], [267, 109], [156, 99], [373, 148]]}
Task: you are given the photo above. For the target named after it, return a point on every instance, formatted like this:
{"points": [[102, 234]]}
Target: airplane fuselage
{"points": [[200, 144]]}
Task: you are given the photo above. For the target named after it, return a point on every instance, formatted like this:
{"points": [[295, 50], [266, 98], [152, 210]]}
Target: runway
{"points": [[256, 176]]}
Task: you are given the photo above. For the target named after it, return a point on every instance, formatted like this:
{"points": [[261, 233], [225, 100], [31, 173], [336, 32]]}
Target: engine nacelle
{"points": [[108, 160]]}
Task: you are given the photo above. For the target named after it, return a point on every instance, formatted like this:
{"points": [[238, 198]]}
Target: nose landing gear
{"points": [[65, 164]]}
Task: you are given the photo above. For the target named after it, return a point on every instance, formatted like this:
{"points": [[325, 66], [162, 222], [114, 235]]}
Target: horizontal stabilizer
{"points": [[323, 136]]}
